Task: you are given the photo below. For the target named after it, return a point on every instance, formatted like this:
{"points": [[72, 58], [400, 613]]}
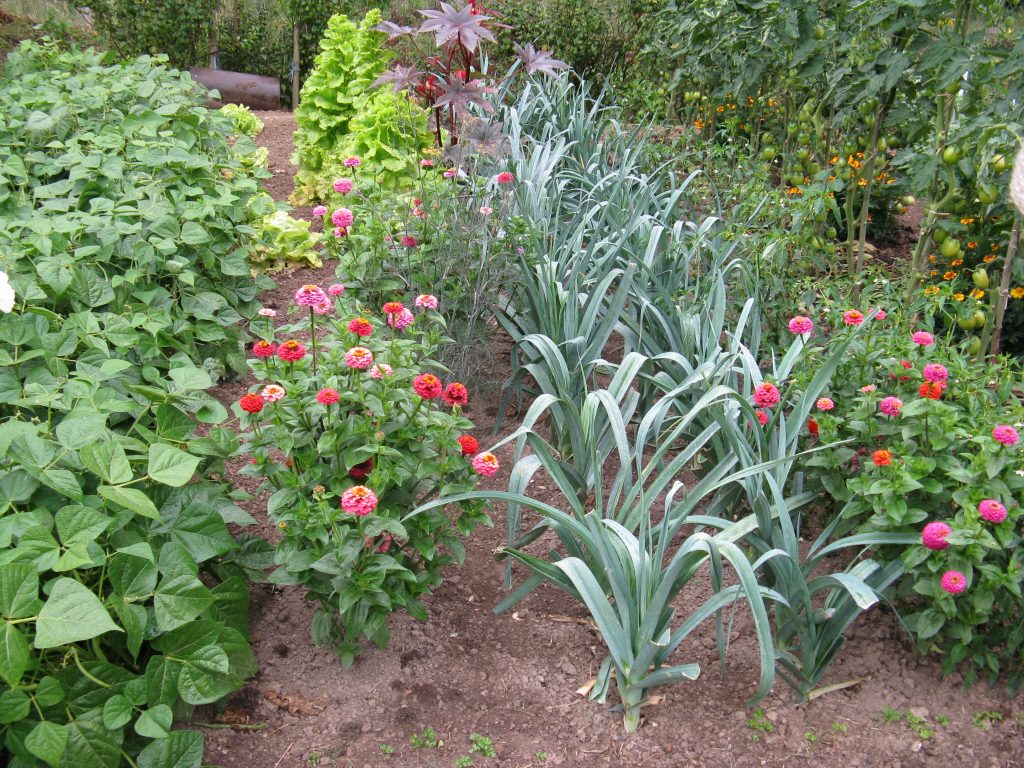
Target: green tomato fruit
{"points": [[951, 248], [951, 155], [974, 346], [999, 163], [939, 235], [967, 323], [980, 278], [987, 194]]}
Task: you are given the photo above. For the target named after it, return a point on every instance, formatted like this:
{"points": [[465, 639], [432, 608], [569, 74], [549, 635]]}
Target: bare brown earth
{"points": [[513, 678]]}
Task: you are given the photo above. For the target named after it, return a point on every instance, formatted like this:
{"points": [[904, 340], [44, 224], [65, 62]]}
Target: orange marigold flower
{"points": [[972, 244], [990, 258], [1017, 293], [977, 294], [956, 262], [959, 296], [931, 290], [949, 275]]}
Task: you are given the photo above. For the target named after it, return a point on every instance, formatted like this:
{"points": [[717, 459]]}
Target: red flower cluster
{"points": [[882, 458]]}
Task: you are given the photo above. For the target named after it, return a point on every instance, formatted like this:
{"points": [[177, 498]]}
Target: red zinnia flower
{"points": [[327, 396], [291, 350], [882, 458], [456, 394], [263, 349], [427, 386], [361, 470], [361, 327], [931, 389], [251, 403], [812, 427], [469, 445], [393, 308], [505, 177]]}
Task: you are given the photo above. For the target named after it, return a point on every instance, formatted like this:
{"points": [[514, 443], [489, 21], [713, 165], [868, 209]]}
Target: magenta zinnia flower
{"points": [[801, 325], [319, 210], [766, 395], [992, 511], [359, 500], [934, 535], [923, 338], [336, 289], [359, 357], [427, 386], [954, 582], [342, 218], [408, 241], [1006, 435], [762, 418], [505, 178], [402, 320], [486, 464], [426, 301], [352, 162], [310, 296], [890, 406], [343, 186], [935, 372], [825, 404], [327, 396], [291, 351], [853, 317]]}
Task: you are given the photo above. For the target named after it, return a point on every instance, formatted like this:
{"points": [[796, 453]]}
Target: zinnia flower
{"points": [[1006, 435], [451, 173], [251, 403], [923, 338], [340, 231], [408, 241], [456, 394], [881, 314], [426, 301], [934, 535], [766, 395], [362, 470], [486, 210], [954, 582], [380, 370], [343, 186], [342, 218], [359, 357], [358, 500], [327, 396], [868, 388], [485, 463], [890, 406], [427, 386], [264, 312], [352, 162], [319, 210], [762, 417], [882, 458], [361, 327], [801, 325], [291, 350], [935, 372], [853, 317], [468, 444], [336, 289], [812, 427], [825, 404], [272, 393], [992, 511], [402, 320], [426, 163], [505, 178], [931, 389], [393, 308], [310, 295], [263, 349]]}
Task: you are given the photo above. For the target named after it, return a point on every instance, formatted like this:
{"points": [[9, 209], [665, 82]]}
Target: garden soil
{"points": [[515, 678]]}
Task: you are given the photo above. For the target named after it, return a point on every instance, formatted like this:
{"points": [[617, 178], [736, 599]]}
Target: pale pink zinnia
{"points": [[954, 582], [336, 289], [935, 372], [853, 317], [380, 370], [272, 393], [934, 536], [342, 217], [923, 338], [825, 404], [310, 295], [801, 325], [1006, 435], [359, 357], [992, 511], [486, 464], [451, 173], [868, 388], [343, 186], [766, 395], [264, 312], [426, 301], [486, 210], [324, 307], [402, 320], [890, 406], [359, 500]]}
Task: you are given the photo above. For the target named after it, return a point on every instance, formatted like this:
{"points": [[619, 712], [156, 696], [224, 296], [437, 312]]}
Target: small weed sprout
{"points": [[425, 739], [463, 762], [482, 745], [839, 728], [985, 718]]}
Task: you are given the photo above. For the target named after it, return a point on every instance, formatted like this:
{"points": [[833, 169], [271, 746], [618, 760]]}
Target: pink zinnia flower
{"points": [[426, 163], [486, 210], [263, 349], [324, 308], [1006, 435], [291, 350], [426, 301], [336, 289], [359, 357], [310, 295], [342, 218], [408, 241], [343, 186], [427, 386], [456, 394], [320, 210], [935, 372], [954, 582], [825, 404], [881, 315], [868, 388], [486, 464], [853, 317], [934, 535], [327, 396], [766, 395], [890, 406], [923, 338], [358, 500], [393, 308], [352, 162], [762, 418], [264, 312], [801, 325], [380, 370], [361, 327], [341, 231], [272, 393], [451, 173], [992, 511], [402, 320], [505, 178]]}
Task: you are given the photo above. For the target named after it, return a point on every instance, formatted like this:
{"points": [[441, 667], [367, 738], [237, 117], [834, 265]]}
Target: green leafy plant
{"points": [[758, 721], [245, 122], [285, 242], [482, 745], [357, 420], [465, 761], [425, 739], [985, 719]]}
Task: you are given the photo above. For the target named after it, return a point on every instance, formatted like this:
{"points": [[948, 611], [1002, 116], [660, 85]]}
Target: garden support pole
{"points": [[295, 67]]}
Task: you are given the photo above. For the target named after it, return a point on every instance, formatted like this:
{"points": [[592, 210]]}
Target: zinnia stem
{"points": [[312, 337]]}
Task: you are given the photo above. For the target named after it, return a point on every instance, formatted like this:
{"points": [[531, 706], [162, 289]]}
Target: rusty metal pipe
{"points": [[253, 91]]}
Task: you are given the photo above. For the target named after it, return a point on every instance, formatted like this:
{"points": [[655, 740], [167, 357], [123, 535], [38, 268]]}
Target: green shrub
{"points": [[124, 205], [244, 121]]}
